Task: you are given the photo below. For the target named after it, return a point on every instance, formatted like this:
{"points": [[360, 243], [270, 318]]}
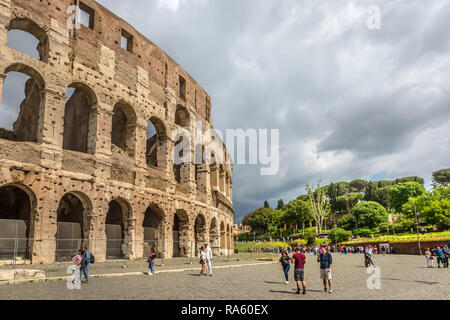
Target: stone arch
{"points": [[180, 234], [17, 212], [31, 27], [123, 132], [156, 143], [153, 226], [200, 233], [27, 126], [182, 117], [117, 227], [80, 116], [73, 224]]}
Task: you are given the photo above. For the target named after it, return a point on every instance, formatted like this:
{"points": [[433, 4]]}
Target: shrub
{"points": [[443, 223], [347, 222], [370, 214], [310, 237], [339, 235], [364, 232], [404, 225]]}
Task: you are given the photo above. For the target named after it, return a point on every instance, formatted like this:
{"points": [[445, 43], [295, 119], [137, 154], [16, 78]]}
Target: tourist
{"points": [[209, 257], [203, 261], [77, 259], [446, 254], [326, 260], [439, 256], [86, 261], [285, 263], [429, 258], [369, 256], [299, 260], [151, 261]]}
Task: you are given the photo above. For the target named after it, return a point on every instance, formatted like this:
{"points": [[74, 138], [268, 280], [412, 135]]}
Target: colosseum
{"points": [[88, 159]]}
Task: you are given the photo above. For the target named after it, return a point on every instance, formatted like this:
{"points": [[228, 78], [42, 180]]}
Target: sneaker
{"points": [[150, 274], [286, 282], [330, 291]]}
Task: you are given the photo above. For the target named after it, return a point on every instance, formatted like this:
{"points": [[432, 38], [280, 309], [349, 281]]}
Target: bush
{"points": [[364, 232], [347, 222], [339, 235], [370, 214], [310, 237], [443, 223], [404, 225]]}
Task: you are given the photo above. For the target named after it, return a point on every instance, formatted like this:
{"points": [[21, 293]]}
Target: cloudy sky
{"points": [[350, 102]]}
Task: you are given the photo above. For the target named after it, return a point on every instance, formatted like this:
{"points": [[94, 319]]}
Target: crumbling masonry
{"points": [[79, 152]]}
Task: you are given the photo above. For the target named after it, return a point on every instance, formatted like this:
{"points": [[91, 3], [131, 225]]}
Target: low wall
{"points": [[407, 247]]}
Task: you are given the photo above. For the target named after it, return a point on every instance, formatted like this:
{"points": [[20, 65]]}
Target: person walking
{"points": [[369, 256], [203, 261], [439, 255], [85, 262], [209, 257], [429, 258], [151, 261], [77, 259], [299, 260], [326, 261], [285, 263], [446, 255]]}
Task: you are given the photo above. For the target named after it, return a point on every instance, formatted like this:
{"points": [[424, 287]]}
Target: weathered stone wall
{"points": [[145, 80]]}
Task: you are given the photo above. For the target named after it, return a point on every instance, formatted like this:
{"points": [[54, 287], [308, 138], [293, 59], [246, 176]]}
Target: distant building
{"points": [[239, 228]]}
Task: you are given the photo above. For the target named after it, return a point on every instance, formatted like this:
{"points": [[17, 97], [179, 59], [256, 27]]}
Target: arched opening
{"points": [[116, 228], [123, 134], [182, 117], [199, 233], [153, 225], [15, 216], [22, 101], [228, 237], [223, 242], [72, 226], [180, 234], [156, 143], [28, 37], [177, 167], [79, 119]]}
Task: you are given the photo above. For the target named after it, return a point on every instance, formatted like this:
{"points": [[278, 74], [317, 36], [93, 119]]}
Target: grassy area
{"points": [[435, 236], [244, 246]]}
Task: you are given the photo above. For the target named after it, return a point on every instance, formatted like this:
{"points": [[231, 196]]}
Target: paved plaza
{"points": [[402, 277]]}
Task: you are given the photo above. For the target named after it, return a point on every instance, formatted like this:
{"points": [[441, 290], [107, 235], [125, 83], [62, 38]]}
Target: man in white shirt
{"points": [[209, 256]]}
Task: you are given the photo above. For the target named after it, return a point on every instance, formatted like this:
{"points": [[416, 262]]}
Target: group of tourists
{"points": [[441, 256], [82, 260], [299, 260]]}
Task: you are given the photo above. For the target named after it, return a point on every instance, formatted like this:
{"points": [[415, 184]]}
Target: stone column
{"points": [[222, 182], [203, 178], [5, 16], [214, 177]]}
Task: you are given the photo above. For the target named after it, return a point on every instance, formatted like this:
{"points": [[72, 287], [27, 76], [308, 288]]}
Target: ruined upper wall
{"points": [[163, 71]]}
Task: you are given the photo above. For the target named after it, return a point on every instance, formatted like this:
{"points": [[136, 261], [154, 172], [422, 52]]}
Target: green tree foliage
{"points": [[410, 179], [369, 192], [297, 212], [347, 222], [433, 206], [262, 218], [318, 204], [384, 183], [339, 235], [280, 204], [400, 193], [358, 185], [349, 200], [441, 177], [310, 237], [370, 214], [382, 196], [362, 232], [266, 204]]}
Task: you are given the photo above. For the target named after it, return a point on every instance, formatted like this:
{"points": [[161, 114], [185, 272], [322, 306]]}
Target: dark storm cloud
{"points": [[349, 102]]}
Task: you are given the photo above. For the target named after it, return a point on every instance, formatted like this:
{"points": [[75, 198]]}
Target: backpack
{"points": [[92, 259]]}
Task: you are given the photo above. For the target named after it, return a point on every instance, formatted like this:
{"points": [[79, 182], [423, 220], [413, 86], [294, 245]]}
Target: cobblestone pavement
{"points": [[402, 277]]}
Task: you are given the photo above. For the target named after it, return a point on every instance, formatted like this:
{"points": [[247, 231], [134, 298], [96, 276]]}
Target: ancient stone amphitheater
{"points": [[88, 160]]}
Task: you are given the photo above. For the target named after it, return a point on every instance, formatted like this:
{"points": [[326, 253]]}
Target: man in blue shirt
{"points": [[326, 260], [85, 265]]}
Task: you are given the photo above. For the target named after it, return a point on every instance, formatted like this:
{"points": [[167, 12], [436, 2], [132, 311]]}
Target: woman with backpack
{"points": [[151, 261], [285, 263]]}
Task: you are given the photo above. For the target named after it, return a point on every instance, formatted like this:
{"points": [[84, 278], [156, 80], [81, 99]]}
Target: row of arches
{"points": [[74, 228]]}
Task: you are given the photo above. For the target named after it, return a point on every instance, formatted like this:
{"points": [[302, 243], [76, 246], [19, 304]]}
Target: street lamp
{"points": [[335, 236]]}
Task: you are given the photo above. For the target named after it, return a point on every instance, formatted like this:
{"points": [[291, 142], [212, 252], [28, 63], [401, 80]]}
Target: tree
{"points": [[400, 193], [382, 196], [349, 200], [410, 179], [370, 214], [280, 204], [369, 193], [262, 218], [298, 212], [266, 204], [332, 196], [358, 185], [340, 235], [347, 222], [441, 177], [318, 204]]}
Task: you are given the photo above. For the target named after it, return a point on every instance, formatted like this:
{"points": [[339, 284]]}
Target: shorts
{"points": [[299, 275], [324, 274]]}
